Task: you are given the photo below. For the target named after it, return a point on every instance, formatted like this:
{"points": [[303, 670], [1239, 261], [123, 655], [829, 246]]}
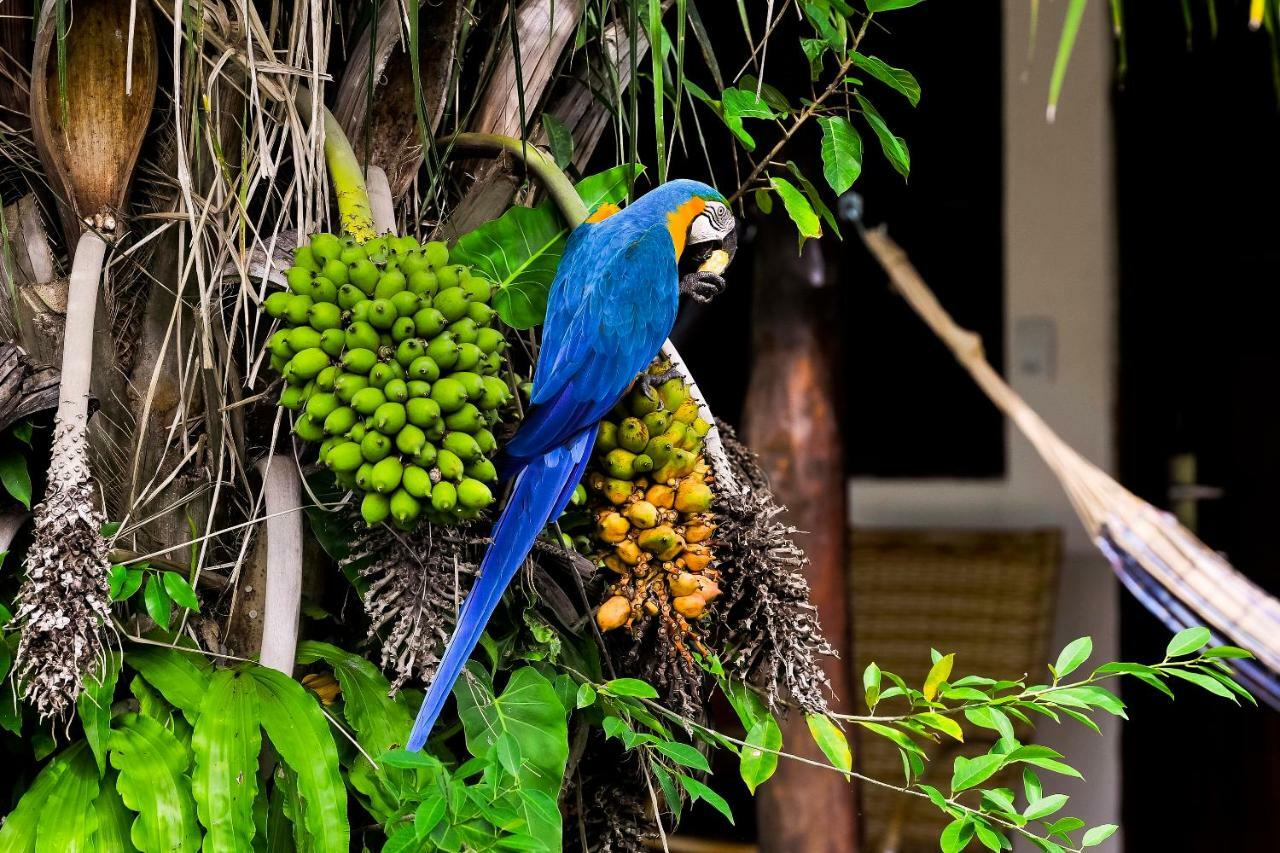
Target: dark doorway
{"points": [[1196, 130]]}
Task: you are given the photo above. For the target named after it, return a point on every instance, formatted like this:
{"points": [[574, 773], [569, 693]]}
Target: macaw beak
{"points": [[713, 240]]}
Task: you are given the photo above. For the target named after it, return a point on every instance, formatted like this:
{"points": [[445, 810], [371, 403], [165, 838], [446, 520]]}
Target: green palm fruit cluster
{"points": [[651, 498], [392, 362]]}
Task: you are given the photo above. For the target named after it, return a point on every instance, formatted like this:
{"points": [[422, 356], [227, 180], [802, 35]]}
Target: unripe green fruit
{"points": [[324, 315], [489, 340], [292, 397], [462, 445], [659, 449], [700, 427], [579, 496], [633, 435], [444, 496], [345, 479], [320, 405], [389, 418], [480, 313], [360, 311], [363, 473], [448, 464], [326, 247], [472, 384], [375, 508], [376, 249], [452, 303], [299, 279], [672, 393], [296, 311], [389, 284], [396, 390], [436, 253], [413, 262], [467, 419], [323, 290], [333, 342], [275, 304], [402, 245], [426, 456], [416, 481], [375, 446], [464, 330], [382, 314], [449, 393], [367, 401], [675, 432], [422, 412], [485, 439], [402, 330], [449, 276], [418, 388], [425, 368], [326, 378], [607, 437], [362, 336], [304, 258], [494, 393], [657, 422], [491, 364], [428, 322], [381, 374], [329, 444], [423, 283], [336, 271], [404, 508], [643, 464], [309, 362], [303, 337], [469, 356], [620, 463], [348, 296], [308, 429], [386, 475], [408, 350], [352, 254], [410, 440], [340, 421], [363, 275], [344, 457], [478, 290], [483, 470], [359, 360], [406, 304], [436, 431], [443, 350], [278, 364], [357, 433], [347, 385], [278, 344], [474, 494]]}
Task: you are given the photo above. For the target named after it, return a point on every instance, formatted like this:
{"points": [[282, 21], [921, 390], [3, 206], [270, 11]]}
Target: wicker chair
{"points": [[987, 596]]}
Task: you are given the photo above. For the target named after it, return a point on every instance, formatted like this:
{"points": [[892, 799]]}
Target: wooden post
{"points": [[791, 422]]}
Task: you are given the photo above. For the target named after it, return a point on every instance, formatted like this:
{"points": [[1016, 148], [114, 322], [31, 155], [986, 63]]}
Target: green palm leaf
{"points": [[18, 834], [153, 765], [69, 820], [226, 743], [179, 677], [114, 819]]}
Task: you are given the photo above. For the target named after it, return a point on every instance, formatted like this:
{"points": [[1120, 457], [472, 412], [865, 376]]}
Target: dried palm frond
{"points": [[1174, 574]]}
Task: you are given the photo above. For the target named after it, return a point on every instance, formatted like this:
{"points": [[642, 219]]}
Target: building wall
{"points": [[1059, 267]]}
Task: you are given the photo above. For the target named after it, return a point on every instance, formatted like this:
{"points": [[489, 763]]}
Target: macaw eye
{"points": [[714, 223]]}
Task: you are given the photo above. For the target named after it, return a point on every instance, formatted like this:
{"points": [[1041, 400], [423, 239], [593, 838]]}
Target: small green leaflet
{"points": [[629, 687], [894, 147], [1098, 834], [798, 208], [1076, 653], [899, 79], [559, 140], [159, 606], [890, 5], [14, 475], [1045, 806], [841, 152], [968, 772], [1187, 641], [699, 791], [760, 754], [180, 591], [938, 673], [956, 836], [832, 741]]}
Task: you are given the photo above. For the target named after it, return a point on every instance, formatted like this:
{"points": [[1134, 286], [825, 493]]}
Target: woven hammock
{"points": [[1177, 577]]}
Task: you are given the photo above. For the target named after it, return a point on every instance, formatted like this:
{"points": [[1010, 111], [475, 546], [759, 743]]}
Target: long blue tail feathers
{"points": [[541, 492]]}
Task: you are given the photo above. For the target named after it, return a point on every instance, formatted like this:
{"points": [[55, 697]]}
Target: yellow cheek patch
{"points": [[678, 221], [604, 211]]}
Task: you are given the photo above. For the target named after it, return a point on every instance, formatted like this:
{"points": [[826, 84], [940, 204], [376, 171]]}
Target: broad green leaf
{"points": [[899, 79], [159, 605], [1054, 765], [1187, 641], [1045, 806], [225, 744], [841, 154], [684, 754], [989, 837], [18, 832], [1227, 652], [180, 591], [114, 819], [1204, 681], [990, 718], [746, 703], [956, 836], [1066, 43], [585, 697], [832, 741], [69, 818], [798, 208], [1064, 826], [890, 5], [153, 783], [894, 147], [946, 725], [380, 722], [429, 814], [94, 708], [1098, 834], [559, 140], [180, 680], [745, 103], [14, 476], [902, 740], [529, 709], [670, 794], [1070, 658], [938, 673], [815, 199], [298, 730], [967, 772], [519, 251], [630, 687], [759, 757], [699, 791], [764, 201], [109, 529], [1031, 784]]}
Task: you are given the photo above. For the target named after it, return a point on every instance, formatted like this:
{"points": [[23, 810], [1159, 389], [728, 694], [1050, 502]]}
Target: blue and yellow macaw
{"points": [[611, 306]]}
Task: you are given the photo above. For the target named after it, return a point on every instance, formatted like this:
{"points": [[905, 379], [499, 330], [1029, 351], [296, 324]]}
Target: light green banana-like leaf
{"points": [[297, 728], [225, 745], [69, 820], [181, 678], [94, 708], [18, 835], [380, 722], [114, 819], [153, 782]]}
